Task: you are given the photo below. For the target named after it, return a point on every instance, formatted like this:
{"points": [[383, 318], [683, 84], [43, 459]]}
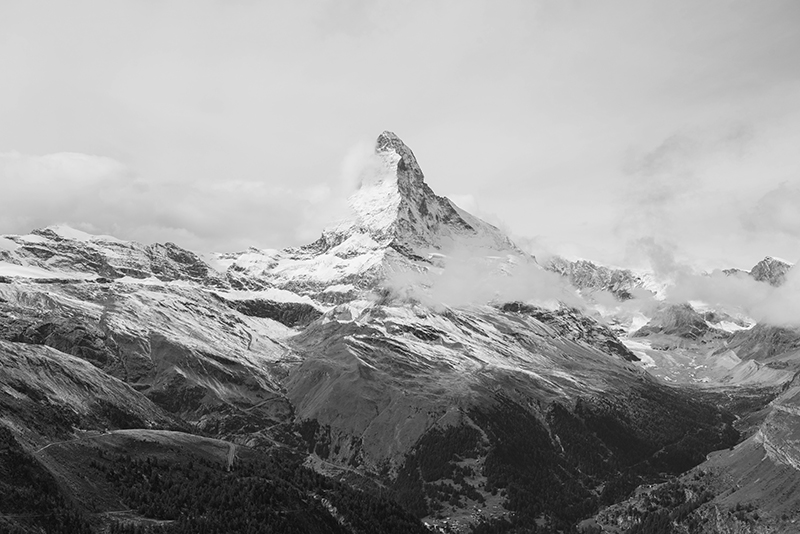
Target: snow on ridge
{"points": [[251, 260], [700, 306], [7, 244], [396, 221], [377, 201], [31, 271], [339, 288], [68, 232], [150, 280], [358, 242], [650, 282], [637, 321], [32, 238], [787, 262], [729, 326], [274, 294]]}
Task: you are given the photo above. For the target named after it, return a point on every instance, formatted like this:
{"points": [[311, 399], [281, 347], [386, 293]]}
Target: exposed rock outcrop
{"points": [[770, 270], [584, 274]]}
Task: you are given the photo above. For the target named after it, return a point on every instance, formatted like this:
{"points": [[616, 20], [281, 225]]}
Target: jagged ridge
{"points": [[398, 224]]}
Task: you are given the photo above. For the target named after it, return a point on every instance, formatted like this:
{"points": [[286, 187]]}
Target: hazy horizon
{"points": [[583, 129]]}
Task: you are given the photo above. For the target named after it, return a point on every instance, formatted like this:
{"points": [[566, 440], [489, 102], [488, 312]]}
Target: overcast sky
{"points": [[592, 129]]}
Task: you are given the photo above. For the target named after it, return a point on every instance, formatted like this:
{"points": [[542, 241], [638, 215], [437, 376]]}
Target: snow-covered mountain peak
{"points": [[376, 203], [397, 208], [771, 270], [63, 231], [398, 225], [389, 143], [61, 251], [587, 275]]}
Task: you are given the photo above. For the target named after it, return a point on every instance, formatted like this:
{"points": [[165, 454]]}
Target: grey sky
{"points": [[580, 127]]}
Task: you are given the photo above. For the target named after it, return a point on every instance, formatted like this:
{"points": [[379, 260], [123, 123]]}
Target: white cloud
{"points": [[42, 190], [737, 293], [501, 102], [777, 211], [471, 275], [359, 164], [102, 195], [778, 306]]}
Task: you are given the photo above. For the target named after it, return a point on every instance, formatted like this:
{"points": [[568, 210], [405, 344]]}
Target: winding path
{"points": [[73, 440]]}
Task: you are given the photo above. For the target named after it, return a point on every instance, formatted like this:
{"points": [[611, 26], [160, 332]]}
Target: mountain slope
{"points": [[386, 383], [76, 254], [184, 348], [496, 410], [746, 488], [46, 394]]}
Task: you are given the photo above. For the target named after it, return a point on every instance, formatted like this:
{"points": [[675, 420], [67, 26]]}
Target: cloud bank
{"points": [[472, 275], [104, 196], [777, 211], [736, 293]]}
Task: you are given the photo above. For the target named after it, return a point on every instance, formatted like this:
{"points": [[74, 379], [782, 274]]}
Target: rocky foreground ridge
{"points": [[346, 358]]}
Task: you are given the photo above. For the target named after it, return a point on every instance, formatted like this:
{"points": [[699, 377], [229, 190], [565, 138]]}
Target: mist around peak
{"points": [[466, 274], [728, 290], [477, 271]]}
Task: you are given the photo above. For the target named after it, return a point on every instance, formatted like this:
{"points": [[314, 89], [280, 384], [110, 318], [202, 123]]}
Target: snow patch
{"points": [[67, 232], [729, 326], [657, 286], [151, 281], [32, 238], [699, 306], [273, 294], [639, 348], [30, 271], [339, 288], [787, 262], [252, 260], [7, 245], [377, 201]]}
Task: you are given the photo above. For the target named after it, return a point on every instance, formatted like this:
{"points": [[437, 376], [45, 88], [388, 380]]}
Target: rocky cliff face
{"points": [[588, 276], [771, 270]]}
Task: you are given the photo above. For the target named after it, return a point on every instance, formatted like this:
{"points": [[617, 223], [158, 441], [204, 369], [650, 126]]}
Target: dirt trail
{"points": [[81, 438]]}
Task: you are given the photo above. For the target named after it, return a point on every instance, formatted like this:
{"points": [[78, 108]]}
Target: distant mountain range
{"points": [[411, 370], [584, 274]]}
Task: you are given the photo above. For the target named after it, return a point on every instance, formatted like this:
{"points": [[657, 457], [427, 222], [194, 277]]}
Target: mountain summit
{"points": [[397, 208], [389, 142], [397, 224], [771, 270]]}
